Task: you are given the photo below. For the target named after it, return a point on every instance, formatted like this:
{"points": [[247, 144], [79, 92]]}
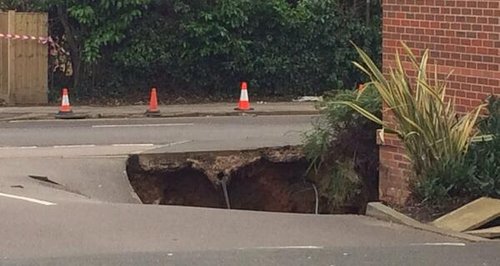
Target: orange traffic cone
{"points": [[244, 103], [153, 109], [65, 109]]}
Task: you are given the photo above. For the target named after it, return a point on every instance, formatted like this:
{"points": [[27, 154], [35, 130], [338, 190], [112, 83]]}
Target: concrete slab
{"points": [[470, 216], [380, 211], [493, 232]]}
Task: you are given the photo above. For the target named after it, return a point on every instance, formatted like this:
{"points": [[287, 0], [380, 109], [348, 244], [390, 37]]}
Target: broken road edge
{"points": [[382, 212]]}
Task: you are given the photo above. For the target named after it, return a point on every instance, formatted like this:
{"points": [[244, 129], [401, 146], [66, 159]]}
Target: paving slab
{"points": [[470, 216], [385, 213], [493, 232]]}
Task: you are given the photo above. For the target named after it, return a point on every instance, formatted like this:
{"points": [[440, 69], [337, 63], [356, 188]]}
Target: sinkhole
{"points": [[269, 179]]}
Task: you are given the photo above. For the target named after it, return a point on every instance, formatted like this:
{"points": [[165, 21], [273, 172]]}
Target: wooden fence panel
{"points": [[27, 60]]}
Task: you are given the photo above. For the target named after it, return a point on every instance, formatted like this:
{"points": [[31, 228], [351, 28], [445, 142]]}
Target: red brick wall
{"points": [[464, 36]]}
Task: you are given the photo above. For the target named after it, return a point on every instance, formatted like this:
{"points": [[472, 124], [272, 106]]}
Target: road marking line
{"points": [[163, 146], [287, 247], [439, 244], [143, 125], [42, 202], [132, 145], [34, 121], [175, 143], [94, 145], [74, 146], [22, 147]]}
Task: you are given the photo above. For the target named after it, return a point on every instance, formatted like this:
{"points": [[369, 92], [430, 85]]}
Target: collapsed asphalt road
{"points": [[89, 155], [89, 219]]}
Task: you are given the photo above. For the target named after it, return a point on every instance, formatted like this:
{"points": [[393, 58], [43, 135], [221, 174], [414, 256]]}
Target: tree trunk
{"points": [[74, 48]]}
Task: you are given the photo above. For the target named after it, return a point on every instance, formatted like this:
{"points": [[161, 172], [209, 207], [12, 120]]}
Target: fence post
{"points": [[10, 55]]}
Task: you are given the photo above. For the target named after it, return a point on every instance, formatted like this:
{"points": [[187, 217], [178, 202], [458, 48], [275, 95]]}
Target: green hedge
{"points": [[279, 48]]}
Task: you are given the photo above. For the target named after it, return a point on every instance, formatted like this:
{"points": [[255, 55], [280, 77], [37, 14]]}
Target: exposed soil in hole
{"points": [[188, 187], [263, 179], [272, 186]]}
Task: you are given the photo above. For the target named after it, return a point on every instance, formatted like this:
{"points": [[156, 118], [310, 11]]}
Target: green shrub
{"points": [[484, 156], [476, 175], [490, 125], [343, 152], [442, 183], [435, 137], [341, 186]]}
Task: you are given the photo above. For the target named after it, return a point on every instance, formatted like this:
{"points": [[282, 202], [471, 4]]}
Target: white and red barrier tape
{"points": [[43, 40]]}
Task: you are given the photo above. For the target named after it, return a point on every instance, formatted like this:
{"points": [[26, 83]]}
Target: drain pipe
{"points": [[316, 208], [316, 194], [223, 183]]}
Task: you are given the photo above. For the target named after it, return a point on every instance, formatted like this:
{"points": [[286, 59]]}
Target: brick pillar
{"points": [[464, 36]]}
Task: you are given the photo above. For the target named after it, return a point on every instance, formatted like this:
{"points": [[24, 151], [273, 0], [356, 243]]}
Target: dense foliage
{"points": [[281, 47]]}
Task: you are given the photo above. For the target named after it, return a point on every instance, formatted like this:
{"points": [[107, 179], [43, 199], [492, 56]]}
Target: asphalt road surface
{"points": [[92, 217], [196, 133], [86, 233]]}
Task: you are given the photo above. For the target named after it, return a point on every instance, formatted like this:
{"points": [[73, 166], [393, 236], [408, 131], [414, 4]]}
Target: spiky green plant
{"points": [[430, 128]]}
